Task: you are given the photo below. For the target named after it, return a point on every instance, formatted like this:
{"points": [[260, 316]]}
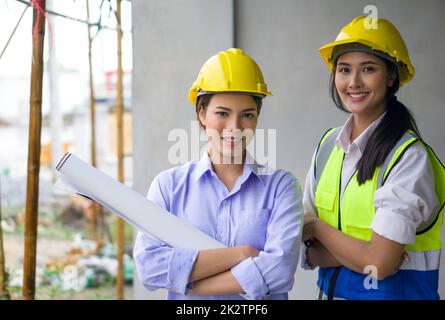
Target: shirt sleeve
{"points": [[308, 205], [158, 265], [273, 270], [407, 198], [309, 190]]}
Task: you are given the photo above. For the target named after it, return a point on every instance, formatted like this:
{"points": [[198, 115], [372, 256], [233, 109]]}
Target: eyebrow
{"points": [[228, 109], [361, 63], [224, 108]]}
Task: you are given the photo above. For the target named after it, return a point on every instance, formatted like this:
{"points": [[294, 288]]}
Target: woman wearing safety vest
{"points": [[255, 211], [374, 195]]}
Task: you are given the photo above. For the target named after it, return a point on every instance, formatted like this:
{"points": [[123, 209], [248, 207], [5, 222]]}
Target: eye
{"points": [[343, 70], [222, 114], [368, 69], [248, 116]]}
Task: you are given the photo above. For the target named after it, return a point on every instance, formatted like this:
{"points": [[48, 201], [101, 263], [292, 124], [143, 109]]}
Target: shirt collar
{"points": [[344, 138], [204, 165]]}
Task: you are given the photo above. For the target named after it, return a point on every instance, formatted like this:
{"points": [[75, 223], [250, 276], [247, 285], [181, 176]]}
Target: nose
{"points": [[355, 80], [234, 123]]}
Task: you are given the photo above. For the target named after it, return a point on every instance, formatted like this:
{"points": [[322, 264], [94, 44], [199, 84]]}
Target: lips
{"points": [[357, 96], [232, 138], [231, 141]]}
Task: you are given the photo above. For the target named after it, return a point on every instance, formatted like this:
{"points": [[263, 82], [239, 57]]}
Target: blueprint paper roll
{"points": [[82, 178]]}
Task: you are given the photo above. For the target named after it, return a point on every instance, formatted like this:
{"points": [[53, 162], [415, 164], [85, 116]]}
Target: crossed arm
{"points": [[211, 273], [335, 248]]}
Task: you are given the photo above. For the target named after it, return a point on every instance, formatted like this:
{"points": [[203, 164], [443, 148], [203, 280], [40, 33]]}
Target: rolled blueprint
{"points": [[85, 180]]}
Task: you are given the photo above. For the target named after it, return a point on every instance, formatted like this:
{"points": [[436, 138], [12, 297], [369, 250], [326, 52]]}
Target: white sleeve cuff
{"points": [[394, 226]]}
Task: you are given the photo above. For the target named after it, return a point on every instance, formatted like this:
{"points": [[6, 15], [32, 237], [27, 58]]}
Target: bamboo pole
{"points": [[120, 154], [95, 206], [32, 183]]}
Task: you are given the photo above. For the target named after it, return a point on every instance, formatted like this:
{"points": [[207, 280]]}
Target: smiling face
{"points": [[362, 81], [230, 121]]}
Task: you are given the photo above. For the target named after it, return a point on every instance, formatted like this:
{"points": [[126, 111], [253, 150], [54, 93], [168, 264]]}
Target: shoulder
{"points": [[175, 175], [411, 150], [331, 132], [418, 147], [327, 140], [277, 177], [413, 161], [324, 148], [415, 154]]}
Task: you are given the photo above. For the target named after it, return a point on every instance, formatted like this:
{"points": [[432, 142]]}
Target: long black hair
{"points": [[397, 120]]}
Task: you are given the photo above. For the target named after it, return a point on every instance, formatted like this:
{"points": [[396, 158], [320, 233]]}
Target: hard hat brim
{"points": [[196, 92], [327, 50]]}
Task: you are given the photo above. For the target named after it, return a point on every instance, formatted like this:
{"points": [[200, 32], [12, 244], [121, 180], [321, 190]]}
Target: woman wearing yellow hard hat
{"points": [[375, 193], [255, 211]]}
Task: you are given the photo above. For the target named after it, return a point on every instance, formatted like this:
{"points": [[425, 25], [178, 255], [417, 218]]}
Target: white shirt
{"points": [[407, 198]]}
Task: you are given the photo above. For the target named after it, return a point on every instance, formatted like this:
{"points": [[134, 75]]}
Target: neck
{"points": [[228, 170], [363, 121]]}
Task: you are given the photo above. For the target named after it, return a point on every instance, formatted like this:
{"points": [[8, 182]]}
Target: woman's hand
{"points": [[310, 219], [318, 256], [214, 261], [405, 258], [248, 252]]}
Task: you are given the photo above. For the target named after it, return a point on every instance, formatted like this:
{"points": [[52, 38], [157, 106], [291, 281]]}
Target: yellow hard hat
{"points": [[385, 38], [229, 71]]}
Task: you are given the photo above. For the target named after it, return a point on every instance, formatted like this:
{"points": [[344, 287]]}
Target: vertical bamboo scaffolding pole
{"points": [[32, 183], [95, 207], [120, 154]]}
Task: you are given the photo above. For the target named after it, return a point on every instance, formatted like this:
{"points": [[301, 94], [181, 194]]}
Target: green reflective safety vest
{"points": [[354, 214]]}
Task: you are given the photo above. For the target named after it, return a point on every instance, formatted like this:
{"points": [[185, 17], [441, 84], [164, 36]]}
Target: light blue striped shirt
{"points": [[262, 210]]}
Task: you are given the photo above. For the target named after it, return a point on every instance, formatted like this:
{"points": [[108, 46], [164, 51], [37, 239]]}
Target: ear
{"points": [[392, 79], [202, 117]]}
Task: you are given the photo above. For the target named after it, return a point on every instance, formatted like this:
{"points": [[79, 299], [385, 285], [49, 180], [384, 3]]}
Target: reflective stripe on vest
{"points": [[356, 211], [422, 260], [328, 142]]}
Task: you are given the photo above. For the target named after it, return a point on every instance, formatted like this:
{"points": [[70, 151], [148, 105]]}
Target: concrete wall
{"points": [[172, 39]]}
